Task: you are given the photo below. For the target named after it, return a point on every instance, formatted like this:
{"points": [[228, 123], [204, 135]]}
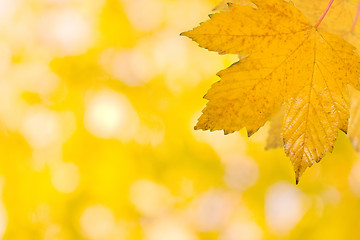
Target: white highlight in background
{"points": [[65, 177], [97, 222], [284, 207], [110, 114], [149, 198], [67, 32]]}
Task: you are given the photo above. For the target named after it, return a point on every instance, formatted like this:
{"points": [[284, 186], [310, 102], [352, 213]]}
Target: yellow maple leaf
{"points": [[289, 62], [347, 27], [341, 9], [345, 10]]}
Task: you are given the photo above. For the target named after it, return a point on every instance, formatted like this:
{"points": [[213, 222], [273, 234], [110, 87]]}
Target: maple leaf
{"points": [[347, 28], [289, 63]]}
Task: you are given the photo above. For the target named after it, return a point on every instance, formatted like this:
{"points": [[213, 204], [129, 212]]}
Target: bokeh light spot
{"points": [[41, 127], [97, 222], [144, 15], [241, 172], [167, 228], [65, 177], [211, 210], [110, 114], [132, 67], [67, 32], [284, 207], [150, 198], [245, 230]]}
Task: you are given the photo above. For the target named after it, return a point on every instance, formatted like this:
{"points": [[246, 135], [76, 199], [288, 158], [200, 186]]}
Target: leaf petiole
{"points": [[356, 17], [324, 13]]}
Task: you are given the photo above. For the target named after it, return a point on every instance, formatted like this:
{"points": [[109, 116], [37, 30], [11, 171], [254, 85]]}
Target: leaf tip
{"points": [[297, 176], [298, 173], [183, 33], [251, 132], [186, 34]]}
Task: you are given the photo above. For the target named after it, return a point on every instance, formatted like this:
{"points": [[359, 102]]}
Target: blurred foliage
{"points": [[99, 99]]}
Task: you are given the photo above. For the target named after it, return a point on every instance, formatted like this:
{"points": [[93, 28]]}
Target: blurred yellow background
{"points": [[98, 103]]}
